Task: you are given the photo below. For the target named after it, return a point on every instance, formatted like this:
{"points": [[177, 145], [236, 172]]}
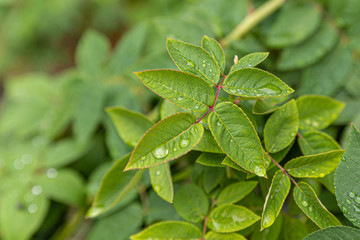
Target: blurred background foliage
{"points": [[62, 62]]}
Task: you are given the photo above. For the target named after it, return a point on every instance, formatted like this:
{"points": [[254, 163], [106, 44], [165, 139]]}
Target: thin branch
{"points": [[251, 20], [282, 169]]}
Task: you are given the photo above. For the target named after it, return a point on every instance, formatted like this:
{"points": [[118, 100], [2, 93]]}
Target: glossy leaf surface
{"points": [[250, 60], [314, 142], [335, 233], [235, 192], [215, 49], [161, 181]]}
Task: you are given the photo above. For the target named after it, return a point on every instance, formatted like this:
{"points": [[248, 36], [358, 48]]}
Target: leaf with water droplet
{"points": [[169, 230], [335, 233], [208, 143], [278, 191], [250, 60], [115, 185], [347, 178], [215, 49], [314, 142], [305, 197], [314, 166], [223, 236], [234, 124], [317, 109], [158, 143], [235, 192], [130, 125], [191, 203], [161, 181], [253, 82], [231, 218], [193, 56], [210, 159], [282, 127]]}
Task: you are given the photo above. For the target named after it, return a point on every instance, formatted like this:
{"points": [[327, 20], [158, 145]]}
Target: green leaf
{"points": [[231, 218], [271, 233], [250, 60], [92, 53], [64, 185], [215, 49], [309, 203], [328, 75], [317, 112], [208, 144], [253, 82], [128, 50], [88, 111], [168, 108], [279, 189], [314, 142], [335, 233], [268, 105], [296, 21], [114, 186], [161, 181], [168, 139], [185, 90], [310, 51], [235, 192], [230, 163], [223, 236], [191, 203], [347, 188], [314, 166], [211, 159], [237, 137], [169, 230], [212, 177], [281, 128], [294, 228], [194, 60], [119, 225], [130, 125]]}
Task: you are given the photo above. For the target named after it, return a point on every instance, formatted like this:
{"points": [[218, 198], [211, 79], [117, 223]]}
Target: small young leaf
{"points": [[191, 203], [161, 181], [208, 144], [250, 60], [347, 179], [310, 51], [194, 60], [305, 197], [253, 82], [314, 166], [211, 159], [237, 137], [215, 49], [131, 126], [235, 192], [281, 128], [185, 90], [296, 21], [317, 112], [268, 105], [169, 230], [314, 142], [231, 218], [168, 139], [114, 186], [279, 189], [223, 236], [335, 233]]}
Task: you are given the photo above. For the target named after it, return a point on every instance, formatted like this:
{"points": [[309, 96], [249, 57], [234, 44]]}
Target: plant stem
{"points": [[283, 170], [251, 20], [69, 227]]}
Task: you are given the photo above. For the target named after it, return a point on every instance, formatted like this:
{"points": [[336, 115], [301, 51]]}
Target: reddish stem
{"points": [[283, 170]]}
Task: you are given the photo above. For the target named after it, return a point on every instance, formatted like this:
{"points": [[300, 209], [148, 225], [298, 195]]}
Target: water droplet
{"points": [[51, 173], [351, 194], [231, 140], [160, 152], [175, 149], [196, 106], [210, 70], [343, 159], [157, 173], [315, 124], [249, 65], [204, 65], [357, 199], [322, 175], [232, 91], [180, 98], [239, 91], [157, 188], [32, 208], [347, 201], [219, 124], [190, 63], [292, 134], [184, 142], [305, 203], [18, 164], [310, 208], [26, 158], [344, 209], [36, 190], [267, 221], [94, 211], [356, 209], [260, 171]]}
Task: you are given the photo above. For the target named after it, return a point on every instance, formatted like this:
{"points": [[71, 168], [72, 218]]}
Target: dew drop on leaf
{"points": [[32, 208], [175, 149], [260, 171], [219, 124], [344, 209], [347, 201], [160, 152], [51, 173], [180, 98], [351, 194], [357, 199], [157, 188], [310, 208], [36, 190], [157, 173], [304, 203], [267, 221], [184, 142]]}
